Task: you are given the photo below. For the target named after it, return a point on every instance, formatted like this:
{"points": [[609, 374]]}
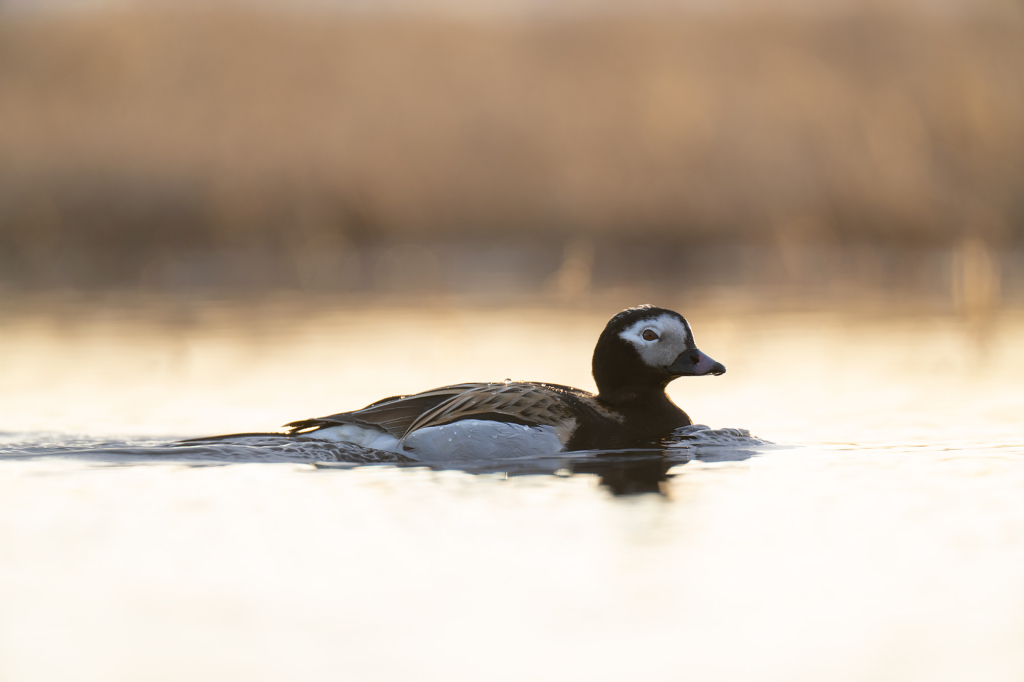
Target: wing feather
{"points": [[523, 403], [394, 415]]}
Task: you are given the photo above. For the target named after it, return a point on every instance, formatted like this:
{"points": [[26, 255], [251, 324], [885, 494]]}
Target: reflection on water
{"points": [[623, 472], [881, 538]]}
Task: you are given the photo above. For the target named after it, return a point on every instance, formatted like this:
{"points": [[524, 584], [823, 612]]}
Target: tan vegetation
{"points": [[173, 130]]}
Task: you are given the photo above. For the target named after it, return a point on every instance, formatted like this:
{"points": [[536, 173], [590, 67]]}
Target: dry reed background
{"points": [[196, 149]]}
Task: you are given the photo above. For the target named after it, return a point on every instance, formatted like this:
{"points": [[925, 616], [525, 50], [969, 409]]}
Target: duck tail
{"points": [[231, 436]]}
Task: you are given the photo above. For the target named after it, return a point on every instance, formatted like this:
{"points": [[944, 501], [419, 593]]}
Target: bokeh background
{"points": [[500, 149], [221, 216]]}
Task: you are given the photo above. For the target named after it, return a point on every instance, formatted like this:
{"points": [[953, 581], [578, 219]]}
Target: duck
{"points": [[639, 352]]}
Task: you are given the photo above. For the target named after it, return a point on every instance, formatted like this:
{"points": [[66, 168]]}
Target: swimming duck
{"points": [[639, 352]]}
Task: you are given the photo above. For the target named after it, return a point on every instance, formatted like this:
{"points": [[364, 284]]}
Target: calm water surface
{"points": [[872, 527]]}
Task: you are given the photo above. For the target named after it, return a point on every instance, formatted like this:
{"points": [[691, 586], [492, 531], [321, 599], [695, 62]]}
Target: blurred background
{"points": [[501, 149], [204, 204]]}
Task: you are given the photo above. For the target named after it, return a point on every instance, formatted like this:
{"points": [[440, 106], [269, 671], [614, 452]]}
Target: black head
{"points": [[644, 348]]}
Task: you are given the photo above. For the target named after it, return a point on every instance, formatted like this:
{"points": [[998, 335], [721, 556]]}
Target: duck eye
{"points": [[650, 335]]}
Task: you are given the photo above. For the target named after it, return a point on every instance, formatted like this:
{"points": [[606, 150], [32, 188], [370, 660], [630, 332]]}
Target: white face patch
{"points": [[673, 337]]}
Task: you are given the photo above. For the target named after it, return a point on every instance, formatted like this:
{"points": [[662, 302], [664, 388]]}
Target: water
{"points": [[870, 528]]}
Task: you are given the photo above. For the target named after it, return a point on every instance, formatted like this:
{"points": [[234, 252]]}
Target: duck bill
{"points": [[693, 363]]}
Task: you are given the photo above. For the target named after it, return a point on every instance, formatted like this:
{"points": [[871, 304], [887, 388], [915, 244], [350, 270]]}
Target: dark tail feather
{"points": [[207, 439], [306, 425]]}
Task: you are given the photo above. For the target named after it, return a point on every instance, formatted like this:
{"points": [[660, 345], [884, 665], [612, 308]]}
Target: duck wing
{"points": [[531, 404], [394, 414]]}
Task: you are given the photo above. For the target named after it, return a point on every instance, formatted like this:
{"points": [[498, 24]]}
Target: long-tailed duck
{"points": [[639, 352]]}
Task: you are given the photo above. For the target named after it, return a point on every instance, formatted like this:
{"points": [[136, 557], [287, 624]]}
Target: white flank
{"points": [[350, 433], [482, 439], [467, 439]]}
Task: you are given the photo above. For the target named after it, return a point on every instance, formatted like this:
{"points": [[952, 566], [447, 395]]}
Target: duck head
{"points": [[643, 349]]}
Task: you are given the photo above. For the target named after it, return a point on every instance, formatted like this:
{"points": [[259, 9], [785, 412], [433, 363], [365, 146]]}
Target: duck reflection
{"points": [[631, 473], [620, 472]]}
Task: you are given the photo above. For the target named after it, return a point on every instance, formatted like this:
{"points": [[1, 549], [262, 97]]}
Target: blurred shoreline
{"points": [[235, 152], [974, 300], [970, 279]]}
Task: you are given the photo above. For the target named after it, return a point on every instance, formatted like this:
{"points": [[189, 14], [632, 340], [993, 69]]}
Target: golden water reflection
{"points": [[867, 376]]}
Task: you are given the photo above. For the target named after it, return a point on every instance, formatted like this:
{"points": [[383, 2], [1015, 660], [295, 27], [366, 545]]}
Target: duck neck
{"points": [[647, 408], [639, 395]]}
